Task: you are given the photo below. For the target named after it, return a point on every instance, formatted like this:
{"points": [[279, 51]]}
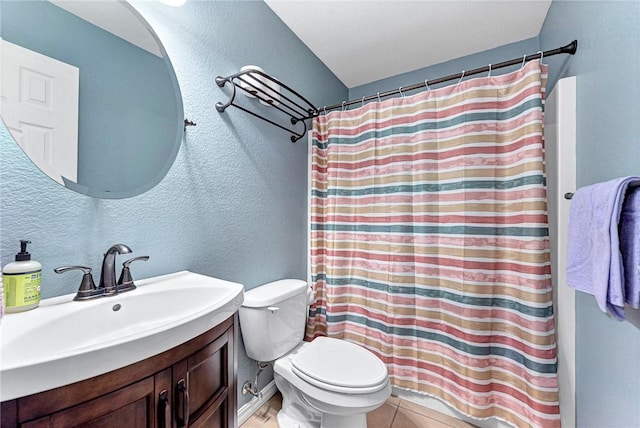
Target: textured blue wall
{"points": [[608, 146], [234, 204]]}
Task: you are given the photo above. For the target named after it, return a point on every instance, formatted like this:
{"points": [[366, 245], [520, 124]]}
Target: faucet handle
{"points": [[87, 289], [128, 262], [125, 282]]}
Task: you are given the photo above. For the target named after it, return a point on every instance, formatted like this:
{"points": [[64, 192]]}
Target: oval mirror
{"points": [[90, 95]]}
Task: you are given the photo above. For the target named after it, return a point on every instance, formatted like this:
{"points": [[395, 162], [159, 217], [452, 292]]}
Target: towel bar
{"points": [[569, 195]]}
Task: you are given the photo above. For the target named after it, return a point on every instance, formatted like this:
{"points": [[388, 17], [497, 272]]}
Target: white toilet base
{"points": [[297, 412], [286, 421]]}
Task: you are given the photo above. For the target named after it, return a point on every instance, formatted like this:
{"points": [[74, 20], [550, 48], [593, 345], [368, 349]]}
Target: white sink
{"points": [[63, 341]]}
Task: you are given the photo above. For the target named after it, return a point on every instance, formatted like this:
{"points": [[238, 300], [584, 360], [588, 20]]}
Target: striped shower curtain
{"points": [[429, 243]]}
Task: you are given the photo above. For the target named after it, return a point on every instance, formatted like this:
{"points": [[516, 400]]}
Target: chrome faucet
{"points": [[108, 274]]}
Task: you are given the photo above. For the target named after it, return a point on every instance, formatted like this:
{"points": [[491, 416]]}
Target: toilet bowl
{"points": [[338, 395], [327, 383]]}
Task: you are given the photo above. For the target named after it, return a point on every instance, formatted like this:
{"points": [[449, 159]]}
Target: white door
{"points": [[560, 144], [40, 108]]}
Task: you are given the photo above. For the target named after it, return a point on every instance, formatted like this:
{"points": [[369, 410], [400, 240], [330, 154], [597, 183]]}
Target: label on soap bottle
{"points": [[21, 289]]}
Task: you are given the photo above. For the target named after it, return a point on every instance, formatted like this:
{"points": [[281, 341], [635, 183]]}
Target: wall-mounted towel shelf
{"points": [[271, 93]]}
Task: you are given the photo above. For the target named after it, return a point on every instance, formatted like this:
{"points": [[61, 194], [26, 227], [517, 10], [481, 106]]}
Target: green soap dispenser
{"points": [[21, 282]]}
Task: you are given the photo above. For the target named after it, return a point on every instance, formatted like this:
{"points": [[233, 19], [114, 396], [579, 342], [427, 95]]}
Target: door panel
{"points": [[40, 108]]}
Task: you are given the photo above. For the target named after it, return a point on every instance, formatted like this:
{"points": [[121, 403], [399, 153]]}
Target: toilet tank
{"points": [[273, 318]]}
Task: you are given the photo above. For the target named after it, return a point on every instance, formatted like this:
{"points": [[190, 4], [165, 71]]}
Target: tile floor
{"points": [[394, 413]]}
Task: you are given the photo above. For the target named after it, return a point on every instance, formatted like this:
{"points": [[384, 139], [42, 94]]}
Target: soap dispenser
{"points": [[21, 282]]}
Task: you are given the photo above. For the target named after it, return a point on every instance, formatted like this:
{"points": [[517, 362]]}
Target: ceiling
{"points": [[116, 18], [365, 41]]}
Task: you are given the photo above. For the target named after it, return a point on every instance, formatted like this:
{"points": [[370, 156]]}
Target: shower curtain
{"points": [[429, 243]]}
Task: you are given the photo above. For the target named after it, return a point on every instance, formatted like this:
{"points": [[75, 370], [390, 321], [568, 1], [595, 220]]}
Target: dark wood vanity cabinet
{"points": [[191, 385]]}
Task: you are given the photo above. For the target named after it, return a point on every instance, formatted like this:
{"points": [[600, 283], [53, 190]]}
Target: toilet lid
{"points": [[339, 365]]}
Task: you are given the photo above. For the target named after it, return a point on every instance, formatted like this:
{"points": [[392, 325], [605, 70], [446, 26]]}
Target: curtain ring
{"points": [[363, 101], [325, 109], [461, 77], [343, 103], [489, 76], [524, 58], [401, 91], [426, 84], [379, 100], [541, 56]]}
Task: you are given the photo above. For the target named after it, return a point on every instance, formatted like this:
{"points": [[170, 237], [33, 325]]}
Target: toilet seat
{"points": [[339, 366]]}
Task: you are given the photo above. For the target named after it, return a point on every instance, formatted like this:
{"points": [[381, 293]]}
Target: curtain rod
{"points": [[570, 49]]}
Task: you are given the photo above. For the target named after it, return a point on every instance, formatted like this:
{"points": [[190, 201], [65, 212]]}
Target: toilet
{"points": [[326, 383]]}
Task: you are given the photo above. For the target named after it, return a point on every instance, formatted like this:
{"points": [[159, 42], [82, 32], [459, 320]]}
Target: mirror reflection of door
{"points": [[40, 109]]}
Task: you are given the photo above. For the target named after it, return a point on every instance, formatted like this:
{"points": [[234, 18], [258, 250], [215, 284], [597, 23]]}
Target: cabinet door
{"points": [[131, 407], [201, 386]]}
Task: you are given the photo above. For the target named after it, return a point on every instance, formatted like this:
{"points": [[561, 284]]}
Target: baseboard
{"points": [[252, 406]]}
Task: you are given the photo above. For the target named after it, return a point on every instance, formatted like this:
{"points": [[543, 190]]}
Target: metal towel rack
{"points": [[287, 101], [569, 195]]}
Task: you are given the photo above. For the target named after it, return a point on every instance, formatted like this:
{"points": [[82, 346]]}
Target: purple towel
{"points": [[594, 260], [630, 246]]}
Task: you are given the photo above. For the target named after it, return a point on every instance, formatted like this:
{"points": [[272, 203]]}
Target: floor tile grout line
{"points": [[395, 412]]}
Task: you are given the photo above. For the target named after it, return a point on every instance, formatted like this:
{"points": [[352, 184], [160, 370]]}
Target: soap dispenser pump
{"points": [[21, 282]]}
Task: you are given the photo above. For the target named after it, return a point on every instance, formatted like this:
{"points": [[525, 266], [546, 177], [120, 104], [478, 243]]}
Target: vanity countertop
{"points": [[65, 341]]}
